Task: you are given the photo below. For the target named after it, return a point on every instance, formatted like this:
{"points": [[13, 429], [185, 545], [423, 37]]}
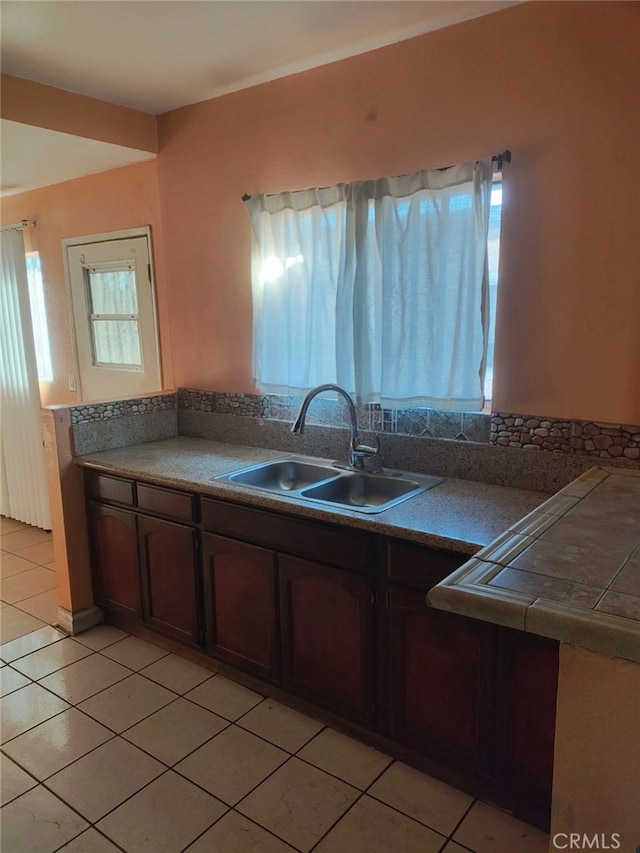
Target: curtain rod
{"points": [[498, 159], [501, 159], [19, 226]]}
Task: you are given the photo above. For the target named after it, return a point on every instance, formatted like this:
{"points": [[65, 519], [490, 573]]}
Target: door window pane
{"points": [[113, 292], [117, 342]]}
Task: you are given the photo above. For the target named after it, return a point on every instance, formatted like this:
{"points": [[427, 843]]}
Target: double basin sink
{"points": [[320, 481]]}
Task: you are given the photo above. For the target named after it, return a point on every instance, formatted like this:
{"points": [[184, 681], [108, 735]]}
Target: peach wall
{"points": [[45, 106], [109, 201], [597, 752], [557, 83]]}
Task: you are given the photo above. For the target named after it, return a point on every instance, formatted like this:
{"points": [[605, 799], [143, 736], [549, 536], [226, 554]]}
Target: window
{"points": [[39, 317], [379, 286], [113, 312]]}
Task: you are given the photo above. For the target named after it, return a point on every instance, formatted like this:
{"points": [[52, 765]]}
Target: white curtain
{"points": [[24, 481], [379, 286]]}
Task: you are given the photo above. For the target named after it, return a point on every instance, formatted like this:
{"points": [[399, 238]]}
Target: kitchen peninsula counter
{"points": [[570, 570]]}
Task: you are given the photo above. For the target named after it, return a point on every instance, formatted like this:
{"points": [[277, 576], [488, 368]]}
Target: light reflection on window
{"points": [[39, 317], [493, 253]]}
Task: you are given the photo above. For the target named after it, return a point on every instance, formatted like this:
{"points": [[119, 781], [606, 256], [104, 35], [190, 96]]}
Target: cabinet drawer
{"points": [[168, 502], [420, 567], [112, 489], [322, 543]]}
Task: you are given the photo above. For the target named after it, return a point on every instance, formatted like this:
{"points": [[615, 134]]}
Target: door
{"points": [[114, 315], [527, 716], [240, 602], [114, 542], [442, 680], [327, 635], [169, 578]]}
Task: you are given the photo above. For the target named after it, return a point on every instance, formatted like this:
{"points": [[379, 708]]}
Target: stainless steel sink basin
{"points": [[320, 481], [362, 490], [282, 475]]}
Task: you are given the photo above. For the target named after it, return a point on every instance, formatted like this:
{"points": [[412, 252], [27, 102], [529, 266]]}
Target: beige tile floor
{"points": [[110, 743]]}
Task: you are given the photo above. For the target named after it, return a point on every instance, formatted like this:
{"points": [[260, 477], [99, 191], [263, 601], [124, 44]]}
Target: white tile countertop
{"points": [[569, 570]]}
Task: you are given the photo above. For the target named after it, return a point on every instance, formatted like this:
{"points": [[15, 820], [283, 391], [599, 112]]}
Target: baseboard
{"points": [[77, 621]]}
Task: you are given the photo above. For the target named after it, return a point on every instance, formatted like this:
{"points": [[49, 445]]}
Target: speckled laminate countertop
{"points": [[460, 515], [569, 570]]}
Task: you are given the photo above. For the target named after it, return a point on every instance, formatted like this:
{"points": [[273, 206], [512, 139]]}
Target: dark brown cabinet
{"points": [[442, 680], [289, 599], [340, 618], [327, 635], [114, 541], [146, 567], [526, 717], [169, 578], [241, 604], [467, 692]]}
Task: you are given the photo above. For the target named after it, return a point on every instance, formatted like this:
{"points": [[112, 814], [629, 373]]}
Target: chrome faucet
{"points": [[357, 452]]}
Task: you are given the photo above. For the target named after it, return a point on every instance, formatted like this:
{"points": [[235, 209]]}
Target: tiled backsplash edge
{"points": [[528, 432]]}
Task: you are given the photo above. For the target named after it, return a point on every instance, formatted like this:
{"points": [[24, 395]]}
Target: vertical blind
{"points": [[24, 480], [379, 286]]}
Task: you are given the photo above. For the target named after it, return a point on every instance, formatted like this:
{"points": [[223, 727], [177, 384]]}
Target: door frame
{"points": [[104, 237]]}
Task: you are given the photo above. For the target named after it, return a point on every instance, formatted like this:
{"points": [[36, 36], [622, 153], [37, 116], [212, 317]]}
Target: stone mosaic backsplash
{"points": [[122, 408], [580, 438], [528, 432]]}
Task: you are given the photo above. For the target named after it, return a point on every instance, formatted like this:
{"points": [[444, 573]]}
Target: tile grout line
{"points": [[461, 821]]}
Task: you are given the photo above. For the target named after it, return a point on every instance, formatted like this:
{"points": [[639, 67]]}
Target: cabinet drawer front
{"points": [[323, 543], [420, 567], [165, 502], [112, 489]]}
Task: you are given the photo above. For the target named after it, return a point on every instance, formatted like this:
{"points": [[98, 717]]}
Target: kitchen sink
{"points": [[362, 490], [320, 481], [285, 475]]}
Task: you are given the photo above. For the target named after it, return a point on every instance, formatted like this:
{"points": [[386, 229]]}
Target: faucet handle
{"points": [[365, 449], [358, 452]]}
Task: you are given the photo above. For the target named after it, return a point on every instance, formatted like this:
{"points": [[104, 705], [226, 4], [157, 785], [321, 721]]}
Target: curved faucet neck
{"points": [[298, 425]]}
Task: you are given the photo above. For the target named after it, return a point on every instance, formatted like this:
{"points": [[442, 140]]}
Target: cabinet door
{"points": [[327, 635], [240, 603], [114, 546], [527, 714], [442, 680], [169, 578]]}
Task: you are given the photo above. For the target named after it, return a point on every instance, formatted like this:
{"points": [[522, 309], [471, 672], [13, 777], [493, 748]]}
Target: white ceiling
{"points": [[37, 157], [156, 55]]}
